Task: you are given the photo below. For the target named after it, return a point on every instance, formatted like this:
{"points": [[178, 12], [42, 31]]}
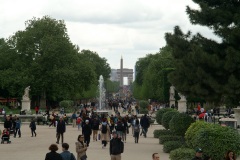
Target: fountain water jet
{"points": [[102, 91]]}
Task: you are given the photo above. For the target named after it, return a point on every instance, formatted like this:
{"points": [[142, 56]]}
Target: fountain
{"points": [[101, 109], [102, 91]]}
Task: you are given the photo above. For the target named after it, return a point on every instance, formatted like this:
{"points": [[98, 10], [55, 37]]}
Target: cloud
{"points": [[112, 28]]}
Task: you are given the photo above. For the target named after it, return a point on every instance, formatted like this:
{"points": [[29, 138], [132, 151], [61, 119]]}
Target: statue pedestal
{"points": [[25, 104], [237, 114], [172, 102], [182, 106]]}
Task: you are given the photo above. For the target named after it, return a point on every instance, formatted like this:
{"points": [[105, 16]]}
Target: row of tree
{"points": [[200, 67], [43, 57]]}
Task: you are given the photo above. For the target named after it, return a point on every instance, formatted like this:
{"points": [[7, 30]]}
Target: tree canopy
{"points": [[43, 57], [151, 79], [204, 67]]}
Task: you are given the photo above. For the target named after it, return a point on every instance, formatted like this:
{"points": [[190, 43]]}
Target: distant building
{"points": [[114, 75]]}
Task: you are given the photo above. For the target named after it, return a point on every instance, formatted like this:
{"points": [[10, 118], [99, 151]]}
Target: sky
{"points": [[130, 29]]}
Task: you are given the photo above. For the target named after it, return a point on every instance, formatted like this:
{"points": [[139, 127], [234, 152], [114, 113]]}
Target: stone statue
{"points": [[183, 98], [172, 93], [26, 93]]}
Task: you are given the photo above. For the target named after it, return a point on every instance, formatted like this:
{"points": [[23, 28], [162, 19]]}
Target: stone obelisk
{"points": [[121, 72]]}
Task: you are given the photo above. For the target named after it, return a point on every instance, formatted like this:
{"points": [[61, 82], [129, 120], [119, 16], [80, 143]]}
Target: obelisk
{"points": [[121, 72]]}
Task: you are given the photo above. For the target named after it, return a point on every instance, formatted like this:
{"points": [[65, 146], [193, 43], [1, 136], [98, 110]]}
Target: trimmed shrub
{"points": [[167, 117], [180, 123], [192, 131], [215, 140], [171, 145], [160, 113], [143, 104], [143, 111], [161, 132], [182, 154], [166, 138]]}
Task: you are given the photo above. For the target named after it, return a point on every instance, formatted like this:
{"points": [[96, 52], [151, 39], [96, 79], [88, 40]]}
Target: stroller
{"points": [[5, 136]]}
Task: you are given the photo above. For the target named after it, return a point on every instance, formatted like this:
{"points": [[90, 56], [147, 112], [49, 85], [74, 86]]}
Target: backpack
{"points": [[119, 126], [104, 128], [136, 128]]}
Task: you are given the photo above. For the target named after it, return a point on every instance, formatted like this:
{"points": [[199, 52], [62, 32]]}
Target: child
{"points": [[5, 135], [79, 121]]}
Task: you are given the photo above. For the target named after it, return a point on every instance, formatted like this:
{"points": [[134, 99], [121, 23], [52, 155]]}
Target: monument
{"points": [[182, 104], [124, 72], [26, 100], [171, 97]]}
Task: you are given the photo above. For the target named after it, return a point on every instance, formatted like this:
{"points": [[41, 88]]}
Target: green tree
{"points": [[151, 79], [203, 67], [49, 61], [100, 65]]}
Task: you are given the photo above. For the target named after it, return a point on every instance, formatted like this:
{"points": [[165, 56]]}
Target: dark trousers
{"points": [[17, 130], [145, 130], [53, 123], [104, 143], [87, 139], [58, 137], [33, 131], [136, 136]]}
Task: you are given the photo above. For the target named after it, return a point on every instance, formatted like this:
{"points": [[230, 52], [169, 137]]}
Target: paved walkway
{"points": [[29, 148]]}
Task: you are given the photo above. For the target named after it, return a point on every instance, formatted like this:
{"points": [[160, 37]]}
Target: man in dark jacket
{"points": [[145, 124], [198, 155], [87, 131], [116, 147], [61, 128], [95, 128]]}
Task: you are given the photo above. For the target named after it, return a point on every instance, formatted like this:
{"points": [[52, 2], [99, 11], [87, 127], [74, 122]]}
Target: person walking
{"points": [[33, 127], [66, 155], [74, 118], [61, 128], [198, 154], [95, 127], [81, 148], [230, 155], [87, 131], [79, 122], [136, 128], [145, 125], [105, 132], [116, 147], [119, 127], [53, 155], [17, 129], [155, 156]]}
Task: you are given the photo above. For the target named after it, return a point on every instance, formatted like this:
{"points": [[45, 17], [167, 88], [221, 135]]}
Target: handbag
{"points": [[99, 136], [84, 157]]}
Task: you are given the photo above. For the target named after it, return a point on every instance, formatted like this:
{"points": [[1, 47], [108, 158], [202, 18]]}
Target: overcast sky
{"points": [[112, 28]]}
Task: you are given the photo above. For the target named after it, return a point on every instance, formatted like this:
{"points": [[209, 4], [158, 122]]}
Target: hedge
{"points": [[167, 116], [171, 145], [182, 154], [143, 104], [161, 132], [166, 138], [215, 140], [180, 123], [160, 113], [192, 132]]}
